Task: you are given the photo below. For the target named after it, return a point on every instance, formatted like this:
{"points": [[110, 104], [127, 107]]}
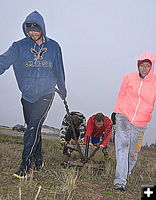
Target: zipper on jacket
{"points": [[138, 102]]}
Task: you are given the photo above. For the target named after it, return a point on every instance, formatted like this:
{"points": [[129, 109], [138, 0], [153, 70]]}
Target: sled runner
{"points": [[70, 161]]}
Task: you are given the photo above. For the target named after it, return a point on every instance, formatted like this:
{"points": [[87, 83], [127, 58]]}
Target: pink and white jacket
{"points": [[137, 96]]}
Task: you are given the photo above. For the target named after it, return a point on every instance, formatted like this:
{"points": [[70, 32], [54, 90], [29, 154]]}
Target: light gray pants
{"points": [[128, 142]]}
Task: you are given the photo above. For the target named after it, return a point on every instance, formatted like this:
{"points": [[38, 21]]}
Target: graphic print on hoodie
{"points": [[38, 69]]}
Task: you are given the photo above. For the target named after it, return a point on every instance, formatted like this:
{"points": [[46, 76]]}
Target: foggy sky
{"points": [[101, 41]]}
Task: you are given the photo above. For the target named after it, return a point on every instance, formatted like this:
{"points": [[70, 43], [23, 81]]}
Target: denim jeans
{"points": [[34, 115]]}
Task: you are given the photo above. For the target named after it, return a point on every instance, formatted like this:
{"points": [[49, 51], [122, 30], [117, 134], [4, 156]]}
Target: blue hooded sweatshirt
{"points": [[38, 69]]}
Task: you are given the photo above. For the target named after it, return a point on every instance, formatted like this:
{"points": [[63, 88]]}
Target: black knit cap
{"points": [[145, 60]]}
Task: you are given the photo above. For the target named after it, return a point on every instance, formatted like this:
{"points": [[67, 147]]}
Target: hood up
{"points": [[35, 17], [149, 56]]}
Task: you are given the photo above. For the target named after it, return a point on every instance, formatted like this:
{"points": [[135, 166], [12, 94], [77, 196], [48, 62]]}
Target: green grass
{"points": [[57, 183]]}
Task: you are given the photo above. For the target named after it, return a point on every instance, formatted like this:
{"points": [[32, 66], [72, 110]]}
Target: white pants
{"points": [[128, 142]]}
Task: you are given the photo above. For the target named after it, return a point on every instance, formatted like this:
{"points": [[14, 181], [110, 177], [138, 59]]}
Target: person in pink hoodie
{"points": [[132, 112]]}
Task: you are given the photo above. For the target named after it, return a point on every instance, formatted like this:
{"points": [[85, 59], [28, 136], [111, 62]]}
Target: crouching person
{"points": [[98, 131], [66, 132]]}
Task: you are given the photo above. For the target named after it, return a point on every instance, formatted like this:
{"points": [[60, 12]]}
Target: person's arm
{"points": [[82, 127], [64, 128], [121, 94], [113, 118], [8, 58], [108, 132], [89, 128], [60, 74]]}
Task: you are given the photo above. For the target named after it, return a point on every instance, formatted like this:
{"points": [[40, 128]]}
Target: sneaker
{"points": [[21, 173], [38, 168], [119, 186]]}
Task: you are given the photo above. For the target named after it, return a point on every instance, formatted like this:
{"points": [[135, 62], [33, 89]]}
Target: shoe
{"points": [[63, 142], [38, 168], [119, 186], [21, 173]]}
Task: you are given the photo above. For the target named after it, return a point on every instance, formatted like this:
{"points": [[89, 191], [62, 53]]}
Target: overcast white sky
{"points": [[101, 41]]}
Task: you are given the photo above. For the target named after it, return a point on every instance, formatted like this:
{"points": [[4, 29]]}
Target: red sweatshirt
{"points": [[93, 131]]}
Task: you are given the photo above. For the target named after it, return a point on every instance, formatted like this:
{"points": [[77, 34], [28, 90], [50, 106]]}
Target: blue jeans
{"points": [[34, 115]]}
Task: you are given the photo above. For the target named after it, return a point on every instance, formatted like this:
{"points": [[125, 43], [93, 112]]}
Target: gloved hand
{"points": [[113, 118], [63, 95], [104, 150], [63, 141]]}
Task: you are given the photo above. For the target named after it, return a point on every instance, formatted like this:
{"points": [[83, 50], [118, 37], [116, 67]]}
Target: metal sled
{"points": [[69, 161]]}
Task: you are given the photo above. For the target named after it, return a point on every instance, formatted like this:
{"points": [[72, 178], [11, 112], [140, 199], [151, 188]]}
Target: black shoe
{"points": [[21, 173], [39, 167]]}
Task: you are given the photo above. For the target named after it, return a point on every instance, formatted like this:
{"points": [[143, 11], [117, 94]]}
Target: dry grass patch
{"points": [[57, 183]]}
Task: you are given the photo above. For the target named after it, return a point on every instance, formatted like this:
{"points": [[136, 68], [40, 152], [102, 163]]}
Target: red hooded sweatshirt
{"points": [[93, 131]]}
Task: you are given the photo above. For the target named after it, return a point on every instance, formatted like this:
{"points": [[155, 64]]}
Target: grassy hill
{"points": [[57, 183]]}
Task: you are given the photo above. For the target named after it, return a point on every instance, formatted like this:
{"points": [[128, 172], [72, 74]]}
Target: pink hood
{"points": [[137, 96], [149, 56]]}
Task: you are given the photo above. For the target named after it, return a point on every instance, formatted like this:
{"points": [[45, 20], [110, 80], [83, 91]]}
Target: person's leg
{"points": [[38, 158], [137, 134], [67, 139], [27, 108], [68, 135], [70, 138], [32, 136], [122, 145], [77, 134]]}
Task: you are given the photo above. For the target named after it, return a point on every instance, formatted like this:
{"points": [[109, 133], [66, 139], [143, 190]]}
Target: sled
{"points": [[89, 165], [78, 164], [69, 161], [85, 151]]}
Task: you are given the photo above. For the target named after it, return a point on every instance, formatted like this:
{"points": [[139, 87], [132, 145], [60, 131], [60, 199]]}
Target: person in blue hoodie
{"points": [[38, 67]]}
